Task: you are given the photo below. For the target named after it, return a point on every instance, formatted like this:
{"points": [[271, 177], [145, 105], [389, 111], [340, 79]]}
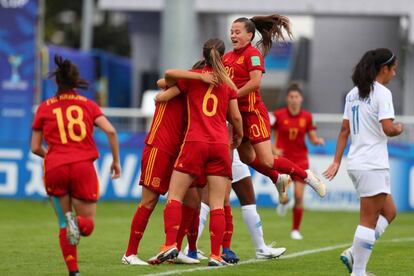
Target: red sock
{"points": [[217, 228], [85, 226], [172, 221], [286, 166], [297, 218], [187, 214], [138, 225], [193, 231], [68, 251], [271, 173], [229, 227]]}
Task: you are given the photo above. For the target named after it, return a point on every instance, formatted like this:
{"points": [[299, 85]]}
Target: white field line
{"points": [[289, 256]]}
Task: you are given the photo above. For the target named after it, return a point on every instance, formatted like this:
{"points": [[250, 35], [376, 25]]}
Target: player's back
{"points": [[67, 121]]}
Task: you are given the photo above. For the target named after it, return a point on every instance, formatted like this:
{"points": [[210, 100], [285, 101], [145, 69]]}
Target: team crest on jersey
{"points": [[302, 122], [286, 122], [240, 60], [156, 181]]}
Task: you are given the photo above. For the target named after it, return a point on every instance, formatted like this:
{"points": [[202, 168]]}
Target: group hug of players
{"points": [[206, 119]]}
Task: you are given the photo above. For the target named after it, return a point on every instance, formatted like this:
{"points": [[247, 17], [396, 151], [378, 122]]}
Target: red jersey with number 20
{"points": [[291, 132], [207, 109], [66, 121], [239, 63]]}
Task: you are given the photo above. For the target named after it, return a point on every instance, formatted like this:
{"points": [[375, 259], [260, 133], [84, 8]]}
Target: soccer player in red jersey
{"points": [[205, 148], [292, 123], [66, 123], [245, 66]]}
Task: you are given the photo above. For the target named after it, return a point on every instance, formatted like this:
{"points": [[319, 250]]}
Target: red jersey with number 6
{"points": [[207, 109], [66, 121], [291, 133]]}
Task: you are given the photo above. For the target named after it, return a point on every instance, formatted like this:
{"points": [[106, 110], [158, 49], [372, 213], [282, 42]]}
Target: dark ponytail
{"points": [[270, 27], [294, 86], [67, 75], [368, 68]]}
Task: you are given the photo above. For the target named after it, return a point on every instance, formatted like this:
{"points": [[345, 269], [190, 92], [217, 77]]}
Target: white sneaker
{"points": [[270, 252], [183, 259], [281, 209], [282, 185], [347, 259], [72, 229], [217, 261], [132, 260], [316, 184], [365, 274], [295, 235]]}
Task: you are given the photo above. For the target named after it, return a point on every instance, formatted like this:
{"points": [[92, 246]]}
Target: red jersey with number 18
{"points": [[66, 121], [207, 109]]}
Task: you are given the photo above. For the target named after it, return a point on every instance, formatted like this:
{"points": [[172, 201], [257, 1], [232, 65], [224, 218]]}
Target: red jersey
{"points": [[239, 63], [207, 109], [67, 122], [291, 132], [168, 125]]}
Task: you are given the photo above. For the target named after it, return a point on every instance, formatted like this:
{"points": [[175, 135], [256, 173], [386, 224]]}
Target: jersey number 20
{"points": [[72, 121]]}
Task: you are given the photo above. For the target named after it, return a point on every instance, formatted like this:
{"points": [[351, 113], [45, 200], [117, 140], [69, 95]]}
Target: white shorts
{"points": [[370, 183], [239, 169]]}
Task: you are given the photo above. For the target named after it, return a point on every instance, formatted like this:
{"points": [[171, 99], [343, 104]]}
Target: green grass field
{"points": [[29, 243]]}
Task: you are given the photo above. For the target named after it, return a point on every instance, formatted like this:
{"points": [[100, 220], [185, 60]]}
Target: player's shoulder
{"points": [[380, 89], [280, 112], [306, 113], [252, 51]]}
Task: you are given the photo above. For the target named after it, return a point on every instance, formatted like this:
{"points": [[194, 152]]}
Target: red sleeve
{"points": [[182, 85], [94, 109], [310, 124], [38, 120], [254, 60]]}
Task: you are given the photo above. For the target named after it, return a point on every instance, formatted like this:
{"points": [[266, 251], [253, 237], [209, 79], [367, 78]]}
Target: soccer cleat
{"points": [[199, 255], [281, 209], [229, 256], [316, 184], [365, 274], [72, 229], [347, 259], [192, 254], [133, 260], [74, 273], [295, 235], [217, 261], [282, 185], [270, 252], [183, 259], [167, 253]]}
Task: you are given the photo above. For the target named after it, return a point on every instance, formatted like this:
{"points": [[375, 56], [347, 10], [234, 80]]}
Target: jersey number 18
{"points": [[72, 121]]}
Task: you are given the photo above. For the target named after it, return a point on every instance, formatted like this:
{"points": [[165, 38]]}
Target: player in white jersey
{"points": [[369, 119]]}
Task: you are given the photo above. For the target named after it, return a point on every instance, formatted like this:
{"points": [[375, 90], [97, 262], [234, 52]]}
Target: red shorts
{"points": [[199, 182], [256, 125], [78, 179], [199, 158], [156, 169]]}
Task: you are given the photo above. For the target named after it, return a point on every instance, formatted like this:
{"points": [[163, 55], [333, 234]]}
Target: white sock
{"points": [[364, 240], [253, 222], [382, 224], [204, 211]]}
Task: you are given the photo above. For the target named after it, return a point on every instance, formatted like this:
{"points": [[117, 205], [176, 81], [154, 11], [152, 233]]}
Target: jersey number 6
{"points": [[72, 121], [209, 96]]}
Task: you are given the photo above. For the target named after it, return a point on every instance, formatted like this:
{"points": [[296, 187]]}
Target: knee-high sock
{"points": [[193, 231], [69, 251], [297, 218], [252, 220], [86, 226], [187, 214], [204, 211], [271, 173], [382, 224], [228, 233], [364, 240], [217, 227], [138, 225], [284, 165], [172, 221]]}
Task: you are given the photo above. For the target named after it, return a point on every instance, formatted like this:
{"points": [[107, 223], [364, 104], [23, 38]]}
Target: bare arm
{"points": [[37, 147], [236, 120], [161, 84], [314, 139], [103, 123], [167, 95], [171, 76], [340, 147], [252, 85], [390, 128]]}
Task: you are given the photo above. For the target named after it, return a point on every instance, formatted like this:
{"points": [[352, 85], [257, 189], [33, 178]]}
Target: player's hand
{"points": [[236, 142], [115, 170], [321, 141], [399, 128], [331, 171], [278, 152], [209, 78], [156, 97]]}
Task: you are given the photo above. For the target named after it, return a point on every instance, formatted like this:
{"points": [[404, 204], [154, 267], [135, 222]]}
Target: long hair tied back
{"points": [[368, 68], [67, 75]]}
